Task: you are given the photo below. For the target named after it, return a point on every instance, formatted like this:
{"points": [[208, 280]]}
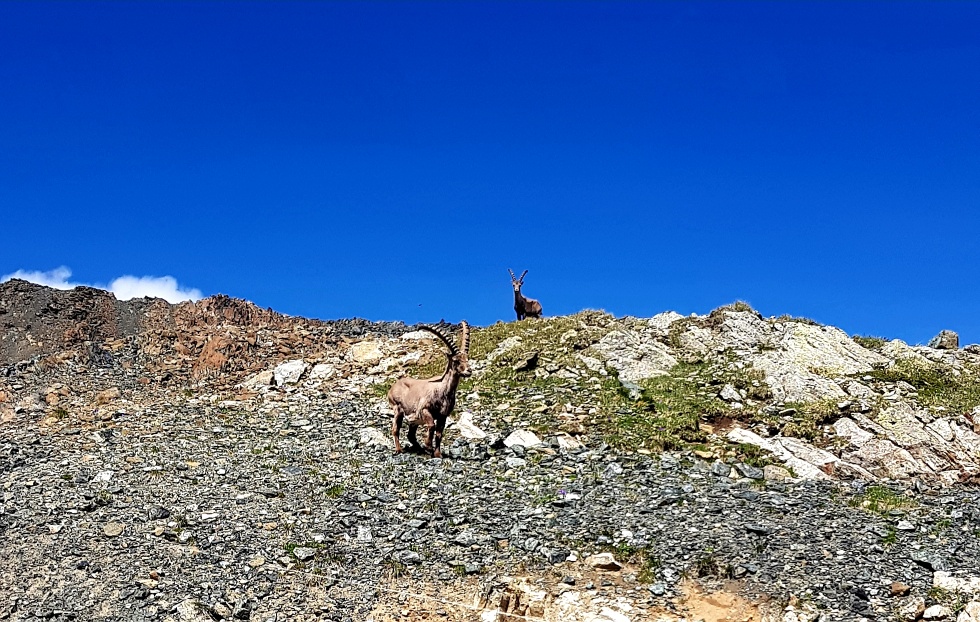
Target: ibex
{"points": [[525, 307], [429, 402]]}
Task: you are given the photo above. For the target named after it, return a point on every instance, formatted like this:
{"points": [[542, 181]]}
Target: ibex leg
{"points": [[396, 426], [437, 441], [412, 429]]}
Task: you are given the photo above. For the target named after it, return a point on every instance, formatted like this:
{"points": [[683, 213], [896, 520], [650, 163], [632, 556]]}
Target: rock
{"points": [[603, 561], [104, 397], [467, 429], [366, 352], [376, 438], [611, 615], [289, 372], [776, 473], [526, 362], [936, 612], [730, 394], [192, 611], [612, 470], [567, 443], [912, 609], [304, 553], [113, 529], [801, 467], [945, 340], [929, 560], [970, 612], [964, 585], [634, 357], [847, 428], [662, 322], [720, 469], [524, 438], [800, 349], [514, 462], [885, 459], [749, 471], [322, 371], [263, 379]]}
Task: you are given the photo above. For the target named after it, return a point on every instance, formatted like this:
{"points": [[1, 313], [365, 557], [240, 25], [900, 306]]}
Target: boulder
{"points": [[366, 352], [524, 438], [634, 356], [945, 340], [467, 429], [289, 372]]}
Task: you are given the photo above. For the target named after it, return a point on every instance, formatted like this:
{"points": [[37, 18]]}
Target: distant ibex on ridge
{"points": [[430, 401], [525, 307]]}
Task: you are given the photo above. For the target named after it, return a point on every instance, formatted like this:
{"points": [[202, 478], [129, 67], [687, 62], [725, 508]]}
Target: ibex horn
{"points": [[522, 276], [445, 340], [512, 277], [465, 337]]}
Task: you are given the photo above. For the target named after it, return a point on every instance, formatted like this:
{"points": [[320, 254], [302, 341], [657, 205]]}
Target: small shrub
{"points": [[809, 417], [880, 500], [334, 491], [871, 343]]}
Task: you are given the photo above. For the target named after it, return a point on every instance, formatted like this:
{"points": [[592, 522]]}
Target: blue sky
{"points": [[393, 160]]}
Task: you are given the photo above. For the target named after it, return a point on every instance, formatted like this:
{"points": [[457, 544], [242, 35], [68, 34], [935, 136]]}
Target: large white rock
{"points": [[661, 322], [885, 459], [376, 438], [366, 352], [965, 585], [801, 468], [635, 356], [525, 438], [261, 380], [289, 372], [970, 613], [807, 358], [898, 350], [467, 429], [855, 434], [322, 371]]}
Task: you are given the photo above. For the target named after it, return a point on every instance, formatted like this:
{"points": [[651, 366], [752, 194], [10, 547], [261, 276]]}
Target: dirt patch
{"points": [[724, 605], [544, 598]]}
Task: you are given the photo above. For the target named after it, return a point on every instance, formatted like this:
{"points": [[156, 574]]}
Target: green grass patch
{"points": [[809, 417], [335, 491], [937, 384], [881, 500], [871, 343], [668, 413]]}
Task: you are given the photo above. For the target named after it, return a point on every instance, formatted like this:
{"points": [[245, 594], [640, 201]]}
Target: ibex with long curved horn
{"points": [[525, 307], [430, 401]]}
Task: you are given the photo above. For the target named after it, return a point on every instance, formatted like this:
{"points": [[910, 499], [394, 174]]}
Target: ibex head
{"points": [[516, 282], [458, 357]]}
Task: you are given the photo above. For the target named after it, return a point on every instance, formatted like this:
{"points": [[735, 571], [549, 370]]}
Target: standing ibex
{"points": [[525, 307], [430, 401]]}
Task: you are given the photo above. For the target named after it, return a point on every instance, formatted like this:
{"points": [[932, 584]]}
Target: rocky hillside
{"points": [[215, 460]]}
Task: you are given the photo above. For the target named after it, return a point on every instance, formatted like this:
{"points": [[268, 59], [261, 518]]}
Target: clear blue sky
{"points": [[392, 160]]}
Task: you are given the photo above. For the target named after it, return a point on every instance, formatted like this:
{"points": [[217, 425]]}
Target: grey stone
{"points": [[945, 340]]}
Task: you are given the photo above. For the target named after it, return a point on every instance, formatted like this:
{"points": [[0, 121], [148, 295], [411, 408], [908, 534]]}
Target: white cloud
{"points": [[124, 288], [127, 287], [57, 278]]}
